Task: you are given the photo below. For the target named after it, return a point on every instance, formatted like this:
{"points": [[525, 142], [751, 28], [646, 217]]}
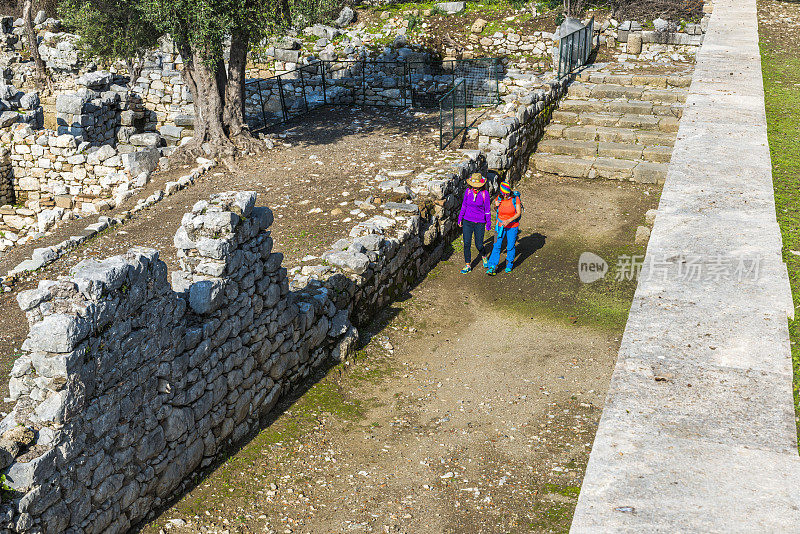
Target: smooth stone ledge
{"points": [[698, 431]]}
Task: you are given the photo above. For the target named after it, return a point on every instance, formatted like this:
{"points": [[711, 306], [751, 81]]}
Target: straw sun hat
{"points": [[476, 180]]}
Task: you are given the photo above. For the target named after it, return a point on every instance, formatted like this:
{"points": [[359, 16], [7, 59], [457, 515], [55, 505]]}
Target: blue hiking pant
{"points": [[469, 229], [510, 235]]}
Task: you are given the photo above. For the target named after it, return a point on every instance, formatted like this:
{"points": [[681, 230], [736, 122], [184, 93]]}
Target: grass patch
{"points": [[552, 517], [550, 287], [372, 371], [780, 64], [566, 491]]}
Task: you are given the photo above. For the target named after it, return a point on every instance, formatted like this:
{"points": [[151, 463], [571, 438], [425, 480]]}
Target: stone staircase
{"points": [[615, 126]]}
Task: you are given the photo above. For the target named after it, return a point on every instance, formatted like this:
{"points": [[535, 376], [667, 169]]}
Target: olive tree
{"points": [[199, 29], [202, 32], [33, 42]]}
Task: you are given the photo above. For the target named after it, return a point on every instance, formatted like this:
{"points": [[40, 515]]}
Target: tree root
{"points": [[227, 150]]}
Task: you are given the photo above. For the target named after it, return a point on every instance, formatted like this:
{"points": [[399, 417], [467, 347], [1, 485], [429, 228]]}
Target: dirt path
{"points": [[472, 408]]}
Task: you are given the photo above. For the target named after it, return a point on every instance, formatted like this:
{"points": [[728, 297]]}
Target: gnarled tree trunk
{"points": [[220, 127], [234, 89], [33, 44]]}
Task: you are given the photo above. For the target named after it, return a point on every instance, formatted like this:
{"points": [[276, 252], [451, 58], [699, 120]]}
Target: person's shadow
{"points": [[526, 245]]}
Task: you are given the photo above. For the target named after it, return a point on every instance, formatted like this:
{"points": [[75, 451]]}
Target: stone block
{"points": [[142, 161], [614, 169], [57, 333], [650, 173], [149, 139], [205, 296], [451, 7], [70, 104], [171, 133], [642, 235], [563, 165], [95, 80]]}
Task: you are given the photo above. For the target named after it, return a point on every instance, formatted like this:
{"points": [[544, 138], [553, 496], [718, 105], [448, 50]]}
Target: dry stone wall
{"points": [[510, 137], [166, 100], [657, 39], [127, 384], [387, 253], [94, 160]]}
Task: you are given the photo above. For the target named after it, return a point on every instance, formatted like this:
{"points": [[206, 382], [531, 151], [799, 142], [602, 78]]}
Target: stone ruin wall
{"points": [[131, 385], [511, 137], [659, 39], [91, 162], [128, 385]]}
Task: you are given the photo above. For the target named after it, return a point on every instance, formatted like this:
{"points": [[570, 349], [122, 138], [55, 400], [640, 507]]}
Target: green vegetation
{"points": [[780, 63], [330, 397], [566, 491], [553, 290], [111, 29], [552, 517], [325, 398], [6, 492]]}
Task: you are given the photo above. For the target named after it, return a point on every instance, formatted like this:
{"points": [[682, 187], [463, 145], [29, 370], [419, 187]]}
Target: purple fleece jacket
{"points": [[476, 208]]}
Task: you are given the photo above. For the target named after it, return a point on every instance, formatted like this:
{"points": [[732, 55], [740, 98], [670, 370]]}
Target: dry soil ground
{"points": [[473, 406]]}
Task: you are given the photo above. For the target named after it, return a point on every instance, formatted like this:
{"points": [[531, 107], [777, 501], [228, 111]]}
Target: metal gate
{"points": [[369, 82], [453, 113], [575, 48]]}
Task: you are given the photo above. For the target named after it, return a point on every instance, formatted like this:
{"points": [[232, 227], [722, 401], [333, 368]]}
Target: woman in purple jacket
{"points": [[475, 216]]}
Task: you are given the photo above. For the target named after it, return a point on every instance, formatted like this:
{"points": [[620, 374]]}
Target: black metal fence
{"points": [[367, 82], [575, 48], [453, 113]]}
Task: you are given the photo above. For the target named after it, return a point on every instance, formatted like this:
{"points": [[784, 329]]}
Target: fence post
{"points": [[303, 88], [283, 100], [406, 84], [261, 99], [496, 68], [465, 108], [453, 107], [324, 86], [441, 128], [572, 56]]}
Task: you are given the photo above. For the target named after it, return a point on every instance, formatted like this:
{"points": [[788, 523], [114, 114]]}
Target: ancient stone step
{"points": [[620, 150], [648, 80], [569, 147], [636, 107], [590, 149], [609, 135], [601, 167], [626, 92], [620, 120], [657, 154]]}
